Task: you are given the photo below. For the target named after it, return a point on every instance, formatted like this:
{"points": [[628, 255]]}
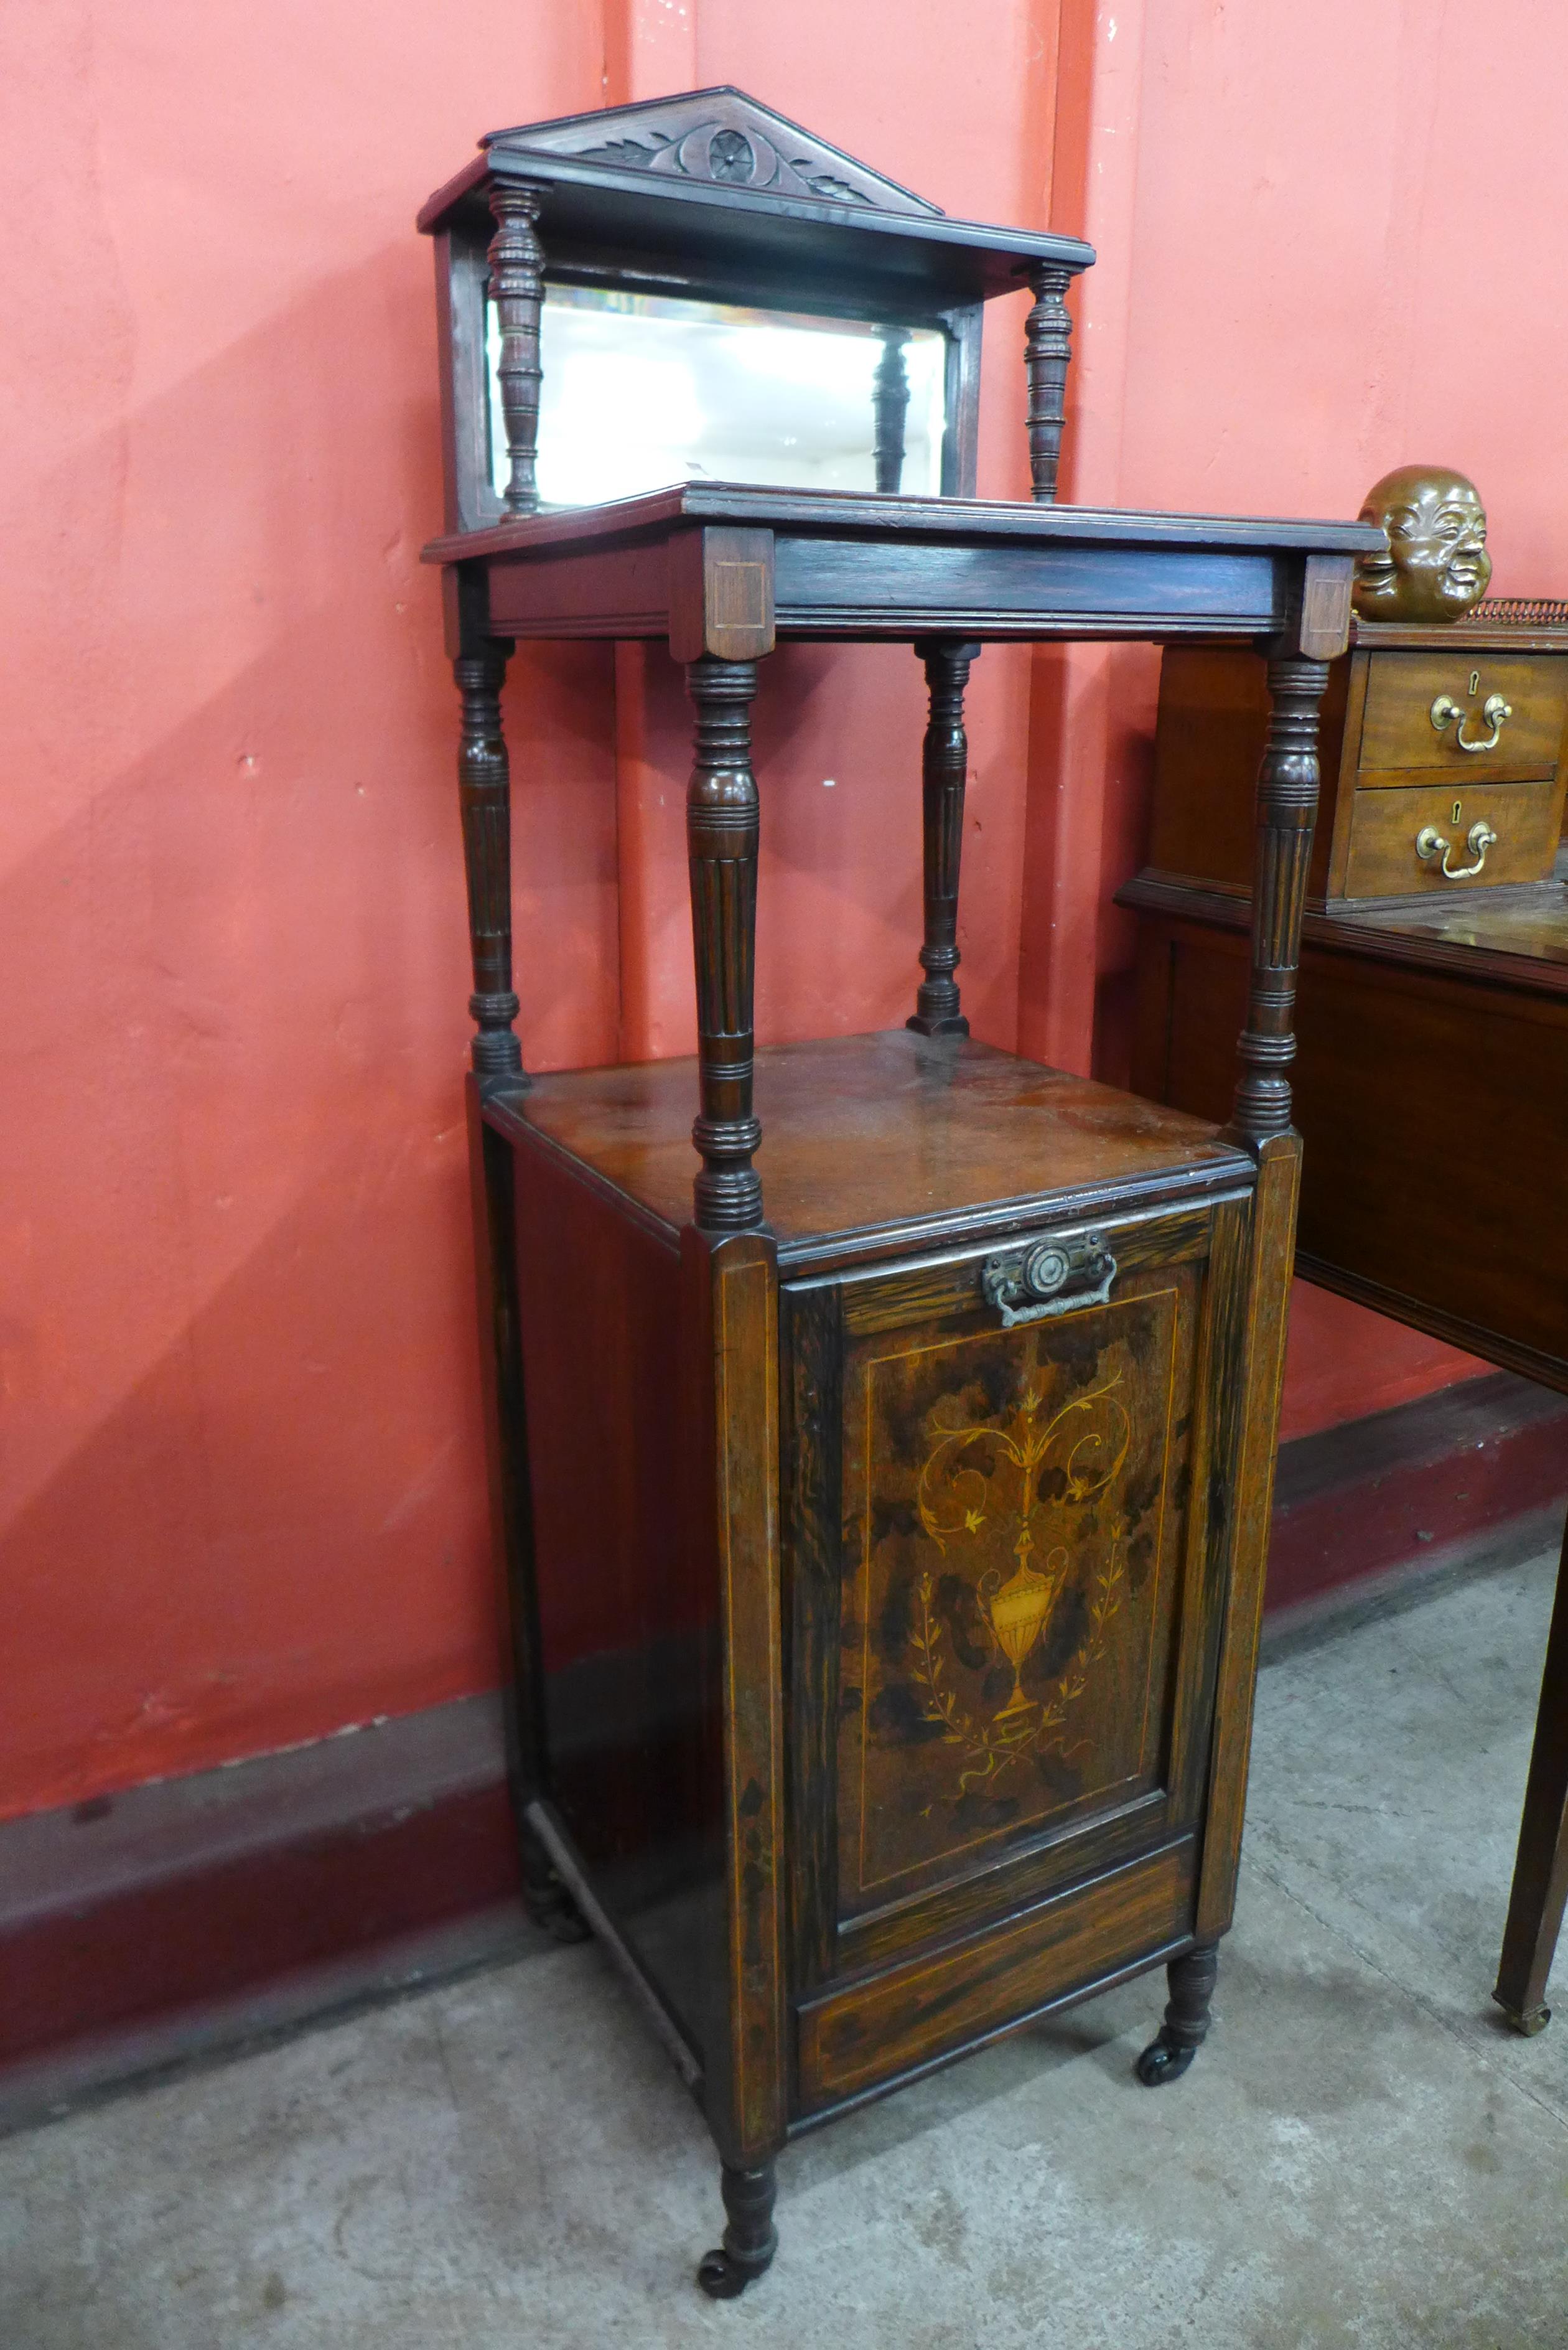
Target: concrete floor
{"points": [[1360, 2157]]}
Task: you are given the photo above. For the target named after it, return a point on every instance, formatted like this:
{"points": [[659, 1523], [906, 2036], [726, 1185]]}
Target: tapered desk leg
{"points": [[1541, 1871], [944, 764], [721, 828]]}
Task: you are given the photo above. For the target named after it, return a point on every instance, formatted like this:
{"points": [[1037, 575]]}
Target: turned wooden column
{"points": [[944, 762], [1047, 347], [484, 793], [1287, 811], [721, 823], [517, 290], [890, 408]]}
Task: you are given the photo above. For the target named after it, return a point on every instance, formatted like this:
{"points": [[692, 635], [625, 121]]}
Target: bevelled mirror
{"points": [[641, 390]]}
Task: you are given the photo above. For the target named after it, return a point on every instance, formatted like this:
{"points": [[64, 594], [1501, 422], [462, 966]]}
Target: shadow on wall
{"points": [[242, 1457], [243, 1474], [278, 1528]]}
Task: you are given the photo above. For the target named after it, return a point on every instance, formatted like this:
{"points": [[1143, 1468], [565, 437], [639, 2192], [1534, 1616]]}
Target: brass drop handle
{"points": [[1495, 711], [1048, 1276], [1430, 843]]}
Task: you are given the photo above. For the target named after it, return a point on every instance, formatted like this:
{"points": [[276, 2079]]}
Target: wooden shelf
{"points": [[875, 1135]]}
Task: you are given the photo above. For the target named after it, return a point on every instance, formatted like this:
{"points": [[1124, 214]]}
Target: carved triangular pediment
{"points": [[720, 137]]}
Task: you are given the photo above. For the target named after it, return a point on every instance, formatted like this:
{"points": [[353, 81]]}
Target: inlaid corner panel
{"points": [[1016, 1526]]}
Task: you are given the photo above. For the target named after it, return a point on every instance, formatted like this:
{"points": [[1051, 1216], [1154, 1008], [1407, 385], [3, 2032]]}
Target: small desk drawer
{"points": [[1384, 861], [869, 2032], [1398, 728]]}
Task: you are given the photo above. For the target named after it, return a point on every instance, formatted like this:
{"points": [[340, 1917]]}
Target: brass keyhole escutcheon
{"points": [[1475, 683], [1454, 817]]}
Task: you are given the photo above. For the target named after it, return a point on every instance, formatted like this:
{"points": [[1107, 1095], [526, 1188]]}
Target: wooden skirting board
{"points": [[180, 1918]]}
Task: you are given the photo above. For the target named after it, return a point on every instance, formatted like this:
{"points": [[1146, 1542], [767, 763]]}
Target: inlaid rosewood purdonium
{"points": [[882, 1495]]}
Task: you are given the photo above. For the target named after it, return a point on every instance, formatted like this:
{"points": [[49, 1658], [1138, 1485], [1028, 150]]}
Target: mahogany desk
{"points": [[1432, 1091]]}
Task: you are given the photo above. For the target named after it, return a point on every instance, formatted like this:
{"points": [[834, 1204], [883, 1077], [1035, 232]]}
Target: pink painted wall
{"points": [[240, 1485], [1330, 263], [242, 1497]]}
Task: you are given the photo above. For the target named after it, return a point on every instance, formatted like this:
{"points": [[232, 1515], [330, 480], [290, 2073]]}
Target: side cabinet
{"points": [[1008, 1536]]}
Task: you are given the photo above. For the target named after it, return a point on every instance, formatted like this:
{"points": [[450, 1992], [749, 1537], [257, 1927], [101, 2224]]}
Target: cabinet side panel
{"points": [[628, 1611], [1251, 1442], [1192, 1000]]}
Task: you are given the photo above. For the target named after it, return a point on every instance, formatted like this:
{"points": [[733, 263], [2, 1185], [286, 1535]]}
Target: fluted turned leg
{"points": [[485, 797], [1047, 347], [722, 825], [944, 764], [1287, 811], [750, 2239], [1190, 1980]]}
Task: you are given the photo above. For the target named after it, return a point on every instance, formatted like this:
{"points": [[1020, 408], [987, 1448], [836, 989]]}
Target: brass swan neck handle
{"points": [[1430, 843], [1495, 713]]}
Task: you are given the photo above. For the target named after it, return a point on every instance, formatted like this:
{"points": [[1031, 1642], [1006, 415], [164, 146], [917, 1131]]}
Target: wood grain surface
{"points": [[884, 1133]]}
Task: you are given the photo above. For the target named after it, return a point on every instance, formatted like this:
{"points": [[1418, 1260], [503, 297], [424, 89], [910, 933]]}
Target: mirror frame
{"points": [[643, 199]]}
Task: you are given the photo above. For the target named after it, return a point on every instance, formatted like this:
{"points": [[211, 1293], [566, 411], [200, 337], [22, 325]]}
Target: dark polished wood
{"points": [[1406, 1205], [1440, 1220], [883, 1511], [721, 824], [1388, 770], [944, 767], [1186, 2027], [484, 795], [727, 1338], [512, 1517], [1048, 345], [517, 290], [750, 2239], [1432, 1059], [840, 231], [1287, 810], [713, 197], [844, 1116]]}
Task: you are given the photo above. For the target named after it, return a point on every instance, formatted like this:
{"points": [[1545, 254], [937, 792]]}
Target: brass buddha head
{"points": [[1436, 565]]}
